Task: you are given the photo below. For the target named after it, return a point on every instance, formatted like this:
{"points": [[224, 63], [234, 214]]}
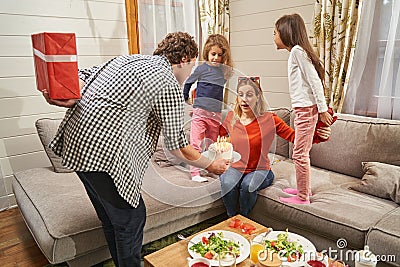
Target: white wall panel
{"points": [[263, 36], [20, 86], [24, 106], [274, 84], [266, 68], [257, 52], [21, 46], [14, 146], [267, 19], [67, 9], [276, 100], [22, 162], [26, 25], [22, 125], [24, 67], [100, 27], [89, 61], [8, 184], [253, 49], [240, 8]]}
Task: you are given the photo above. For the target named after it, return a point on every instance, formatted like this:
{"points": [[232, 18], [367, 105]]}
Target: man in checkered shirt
{"points": [[109, 135]]}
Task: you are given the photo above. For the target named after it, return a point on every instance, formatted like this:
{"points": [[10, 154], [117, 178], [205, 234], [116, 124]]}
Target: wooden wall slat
{"points": [[21, 46], [67, 9], [23, 125], [101, 31], [267, 19], [241, 8], [265, 68], [18, 86], [253, 48], [26, 25], [24, 106], [22, 162], [22, 144], [24, 67]]}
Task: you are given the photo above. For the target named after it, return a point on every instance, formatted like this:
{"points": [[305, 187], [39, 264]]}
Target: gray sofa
{"points": [[340, 219], [58, 213], [64, 224]]}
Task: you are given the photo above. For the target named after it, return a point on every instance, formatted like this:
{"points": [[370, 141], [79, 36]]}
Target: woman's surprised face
{"points": [[247, 98]]}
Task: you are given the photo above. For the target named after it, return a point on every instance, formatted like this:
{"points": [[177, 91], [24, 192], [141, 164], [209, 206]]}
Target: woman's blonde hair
{"points": [[261, 105], [220, 41], [292, 31]]}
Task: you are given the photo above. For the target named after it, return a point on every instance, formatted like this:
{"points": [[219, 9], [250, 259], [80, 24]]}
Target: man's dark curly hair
{"points": [[176, 46]]}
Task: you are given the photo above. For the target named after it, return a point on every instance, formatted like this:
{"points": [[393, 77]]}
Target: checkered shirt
{"points": [[115, 126]]}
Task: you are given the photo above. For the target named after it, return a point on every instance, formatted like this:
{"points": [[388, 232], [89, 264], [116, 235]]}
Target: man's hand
{"points": [[68, 103], [324, 132], [219, 166]]}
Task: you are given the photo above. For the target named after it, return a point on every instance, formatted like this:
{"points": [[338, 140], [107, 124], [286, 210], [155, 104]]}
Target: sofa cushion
{"points": [[357, 139], [381, 180], [58, 213], [334, 211], [163, 157], [47, 129], [63, 221], [383, 238], [280, 146], [177, 201]]}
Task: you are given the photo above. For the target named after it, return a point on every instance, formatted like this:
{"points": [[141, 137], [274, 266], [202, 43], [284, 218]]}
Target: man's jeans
{"points": [[235, 184], [122, 224]]}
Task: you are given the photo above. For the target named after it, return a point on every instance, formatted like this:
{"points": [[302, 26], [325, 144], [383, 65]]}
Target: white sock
{"points": [[199, 179]]}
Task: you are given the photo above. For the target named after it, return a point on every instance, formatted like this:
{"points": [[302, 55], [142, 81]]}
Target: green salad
{"points": [[285, 248], [210, 246]]}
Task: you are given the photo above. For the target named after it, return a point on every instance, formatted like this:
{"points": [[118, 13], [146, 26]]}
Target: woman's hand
{"points": [[68, 103], [324, 132], [326, 118]]}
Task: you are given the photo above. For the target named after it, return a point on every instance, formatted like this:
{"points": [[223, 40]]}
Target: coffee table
{"points": [[176, 254]]}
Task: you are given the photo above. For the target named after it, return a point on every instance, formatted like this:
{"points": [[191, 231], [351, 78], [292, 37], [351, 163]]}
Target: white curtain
{"points": [[374, 84], [156, 18]]}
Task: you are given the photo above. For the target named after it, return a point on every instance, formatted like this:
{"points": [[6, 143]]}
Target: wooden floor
{"points": [[17, 246]]}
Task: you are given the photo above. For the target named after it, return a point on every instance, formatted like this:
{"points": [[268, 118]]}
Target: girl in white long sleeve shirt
{"points": [[306, 76]]}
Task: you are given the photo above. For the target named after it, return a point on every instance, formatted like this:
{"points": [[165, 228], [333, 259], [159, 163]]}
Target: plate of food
{"points": [[293, 249], [210, 243], [222, 149]]}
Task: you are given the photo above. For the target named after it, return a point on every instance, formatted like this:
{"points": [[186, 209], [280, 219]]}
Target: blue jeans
{"points": [[122, 224], [235, 184]]}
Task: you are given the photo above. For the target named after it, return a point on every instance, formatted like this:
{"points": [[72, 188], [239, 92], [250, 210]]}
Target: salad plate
{"points": [[243, 246], [290, 242], [235, 156]]}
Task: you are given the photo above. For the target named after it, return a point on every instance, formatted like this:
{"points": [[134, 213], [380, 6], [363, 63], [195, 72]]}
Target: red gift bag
{"points": [[56, 65], [317, 138]]}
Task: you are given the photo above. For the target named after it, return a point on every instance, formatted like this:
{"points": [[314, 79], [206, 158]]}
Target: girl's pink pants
{"points": [[204, 130], [304, 125]]}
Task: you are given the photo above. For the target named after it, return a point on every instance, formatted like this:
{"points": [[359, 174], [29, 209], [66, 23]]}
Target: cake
{"points": [[222, 149]]}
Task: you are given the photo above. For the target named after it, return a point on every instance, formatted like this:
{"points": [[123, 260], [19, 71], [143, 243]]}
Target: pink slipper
{"points": [[293, 191], [294, 200]]}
